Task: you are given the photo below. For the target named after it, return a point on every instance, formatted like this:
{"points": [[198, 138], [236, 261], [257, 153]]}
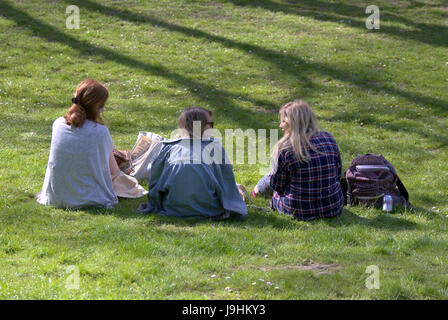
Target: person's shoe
{"points": [[243, 193]]}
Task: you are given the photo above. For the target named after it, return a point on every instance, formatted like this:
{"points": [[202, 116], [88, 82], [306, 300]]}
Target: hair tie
{"points": [[77, 100]]}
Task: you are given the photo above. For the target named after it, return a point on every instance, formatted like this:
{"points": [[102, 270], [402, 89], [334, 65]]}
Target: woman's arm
{"points": [[280, 178], [113, 166]]}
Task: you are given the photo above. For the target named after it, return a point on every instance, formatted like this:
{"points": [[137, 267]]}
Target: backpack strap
{"points": [[344, 187], [402, 189], [404, 193]]}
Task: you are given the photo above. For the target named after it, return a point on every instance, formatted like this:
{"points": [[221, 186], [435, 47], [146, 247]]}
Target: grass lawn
{"points": [[381, 91]]}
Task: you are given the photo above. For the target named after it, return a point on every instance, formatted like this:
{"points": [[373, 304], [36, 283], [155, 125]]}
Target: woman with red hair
{"points": [[81, 167]]}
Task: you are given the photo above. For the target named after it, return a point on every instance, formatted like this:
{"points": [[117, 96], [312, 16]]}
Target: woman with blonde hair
{"points": [[306, 171]]}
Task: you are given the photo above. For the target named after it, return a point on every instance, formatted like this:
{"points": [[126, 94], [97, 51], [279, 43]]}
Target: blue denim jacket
{"points": [[193, 178]]}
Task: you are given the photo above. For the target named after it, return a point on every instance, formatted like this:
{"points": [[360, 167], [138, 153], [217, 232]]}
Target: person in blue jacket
{"points": [[192, 177]]}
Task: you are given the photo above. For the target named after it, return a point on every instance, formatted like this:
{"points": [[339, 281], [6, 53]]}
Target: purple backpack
{"points": [[369, 178]]}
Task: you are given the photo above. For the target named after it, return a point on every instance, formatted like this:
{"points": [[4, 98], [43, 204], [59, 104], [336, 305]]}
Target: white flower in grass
{"points": [[213, 276]]}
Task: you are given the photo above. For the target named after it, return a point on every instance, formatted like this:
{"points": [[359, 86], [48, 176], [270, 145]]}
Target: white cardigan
{"points": [[78, 173]]}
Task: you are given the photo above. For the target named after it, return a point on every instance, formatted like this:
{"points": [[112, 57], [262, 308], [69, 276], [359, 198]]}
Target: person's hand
{"points": [[255, 192]]}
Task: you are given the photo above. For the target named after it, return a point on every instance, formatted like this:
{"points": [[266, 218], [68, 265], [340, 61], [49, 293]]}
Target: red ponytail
{"points": [[90, 98], [75, 116]]}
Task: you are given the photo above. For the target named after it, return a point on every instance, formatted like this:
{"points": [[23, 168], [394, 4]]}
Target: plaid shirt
{"points": [[309, 190]]}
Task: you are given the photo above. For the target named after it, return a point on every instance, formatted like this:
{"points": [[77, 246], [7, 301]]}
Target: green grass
{"points": [[381, 91]]}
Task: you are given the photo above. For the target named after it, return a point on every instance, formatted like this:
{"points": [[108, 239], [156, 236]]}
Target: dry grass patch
{"points": [[318, 268]]}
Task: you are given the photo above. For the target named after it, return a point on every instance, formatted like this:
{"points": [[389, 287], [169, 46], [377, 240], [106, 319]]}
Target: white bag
{"points": [[144, 152]]}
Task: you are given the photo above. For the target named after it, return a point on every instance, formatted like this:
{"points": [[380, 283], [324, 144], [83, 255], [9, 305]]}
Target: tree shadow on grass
{"points": [[23, 131], [124, 126], [365, 118], [380, 221], [258, 220], [218, 98], [428, 214], [432, 34], [127, 209], [293, 65]]}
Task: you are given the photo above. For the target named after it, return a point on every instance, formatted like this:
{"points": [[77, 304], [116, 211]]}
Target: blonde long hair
{"points": [[302, 126]]}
